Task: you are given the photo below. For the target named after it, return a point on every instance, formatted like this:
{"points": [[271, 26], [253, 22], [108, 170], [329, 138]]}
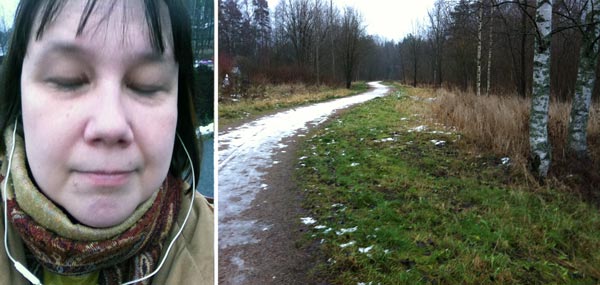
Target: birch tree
{"points": [[538, 117], [479, 44], [580, 108], [490, 44]]}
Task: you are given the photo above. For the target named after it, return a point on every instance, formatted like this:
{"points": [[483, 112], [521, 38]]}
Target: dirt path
{"points": [[277, 257], [260, 206]]}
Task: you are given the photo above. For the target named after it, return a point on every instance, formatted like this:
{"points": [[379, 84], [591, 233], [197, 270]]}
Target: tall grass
{"points": [[261, 99], [500, 124]]}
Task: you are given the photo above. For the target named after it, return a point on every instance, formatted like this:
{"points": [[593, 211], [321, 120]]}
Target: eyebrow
{"points": [[62, 48]]}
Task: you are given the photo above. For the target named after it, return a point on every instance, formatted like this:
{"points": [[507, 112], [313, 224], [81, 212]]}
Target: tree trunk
{"points": [[479, 41], [580, 109], [538, 119], [491, 42], [523, 77], [415, 71]]}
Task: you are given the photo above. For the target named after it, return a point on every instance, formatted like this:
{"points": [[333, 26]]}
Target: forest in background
{"points": [[316, 42]]}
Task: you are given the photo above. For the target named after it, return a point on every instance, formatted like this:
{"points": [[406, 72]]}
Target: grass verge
{"points": [[397, 199], [276, 97]]}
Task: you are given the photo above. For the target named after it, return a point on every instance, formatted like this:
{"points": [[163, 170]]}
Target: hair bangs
{"points": [[52, 8]]}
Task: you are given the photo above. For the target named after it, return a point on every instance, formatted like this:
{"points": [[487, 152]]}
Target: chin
{"points": [[104, 216], [103, 222]]}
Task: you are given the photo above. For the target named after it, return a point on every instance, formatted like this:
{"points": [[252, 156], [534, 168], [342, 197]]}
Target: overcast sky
{"points": [[391, 19]]}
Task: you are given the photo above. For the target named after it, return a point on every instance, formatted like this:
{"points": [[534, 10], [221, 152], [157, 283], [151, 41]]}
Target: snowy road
{"points": [[246, 152]]}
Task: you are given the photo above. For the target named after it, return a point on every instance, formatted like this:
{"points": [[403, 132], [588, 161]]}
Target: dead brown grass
{"points": [[500, 125]]}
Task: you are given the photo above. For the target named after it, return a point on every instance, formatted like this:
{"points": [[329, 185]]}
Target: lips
{"points": [[107, 178]]}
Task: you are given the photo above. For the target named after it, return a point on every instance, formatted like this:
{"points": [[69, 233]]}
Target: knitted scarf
{"points": [[121, 253]]}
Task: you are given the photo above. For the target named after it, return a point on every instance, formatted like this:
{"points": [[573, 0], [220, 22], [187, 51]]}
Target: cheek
{"points": [[159, 135], [47, 136]]}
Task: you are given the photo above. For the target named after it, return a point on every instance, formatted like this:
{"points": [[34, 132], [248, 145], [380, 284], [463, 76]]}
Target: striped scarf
{"points": [[121, 253]]}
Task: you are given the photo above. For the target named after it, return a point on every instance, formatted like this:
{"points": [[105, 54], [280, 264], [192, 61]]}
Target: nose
{"points": [[108, 123]]}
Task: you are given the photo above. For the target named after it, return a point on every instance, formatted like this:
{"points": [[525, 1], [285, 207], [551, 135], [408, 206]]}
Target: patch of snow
{"points": [[385, 140], [264, 186], [365, 249], [505, 161], [308, 220], [275, 162], [303, 158], [347, 244], [328, 230], [438, 142], [348, 230], [319, 227], [354, 164], [403, 119], [336, 205], [205, 130], [418, 129]]}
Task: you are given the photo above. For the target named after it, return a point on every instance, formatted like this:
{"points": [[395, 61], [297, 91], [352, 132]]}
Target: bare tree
{"points": [[352, 30], [298, 21], [437, 20]]}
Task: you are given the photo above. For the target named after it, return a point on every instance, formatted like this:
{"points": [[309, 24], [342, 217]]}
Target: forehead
{"points": [[103, 25]]}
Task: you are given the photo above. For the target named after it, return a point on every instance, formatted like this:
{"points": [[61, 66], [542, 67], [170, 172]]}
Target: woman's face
{"points": [[99, 111]]}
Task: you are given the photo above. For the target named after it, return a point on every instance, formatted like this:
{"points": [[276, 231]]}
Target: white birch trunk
{"points": [[491, 42], [538, 118], [479, 44], [585, 84]]}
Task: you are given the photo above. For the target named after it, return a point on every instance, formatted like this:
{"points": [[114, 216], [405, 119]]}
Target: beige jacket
{"points": [[191, 260]]}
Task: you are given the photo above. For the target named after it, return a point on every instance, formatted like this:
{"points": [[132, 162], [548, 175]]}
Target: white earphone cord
{"points": [[30, 276], [18, 266]]}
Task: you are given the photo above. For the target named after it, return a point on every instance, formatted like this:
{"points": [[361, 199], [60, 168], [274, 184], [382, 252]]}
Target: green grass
{"points": [[434, 214], [279, 97]]}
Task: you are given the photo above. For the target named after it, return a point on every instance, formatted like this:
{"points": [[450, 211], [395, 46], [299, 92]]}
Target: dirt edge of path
{"points": [[283, 255]]}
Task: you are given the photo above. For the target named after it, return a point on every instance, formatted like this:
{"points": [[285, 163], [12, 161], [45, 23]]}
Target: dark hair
{"points": [[28, 10]]}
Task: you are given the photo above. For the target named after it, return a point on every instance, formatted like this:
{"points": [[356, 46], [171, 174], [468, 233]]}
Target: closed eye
{"points": [[146, 90], [68, 83]]}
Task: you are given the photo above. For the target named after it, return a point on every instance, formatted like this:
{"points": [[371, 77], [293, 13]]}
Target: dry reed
{"points": [[500, 124]]}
